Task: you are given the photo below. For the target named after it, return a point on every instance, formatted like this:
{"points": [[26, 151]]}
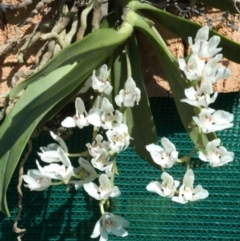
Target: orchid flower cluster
{"points": [[201, 69], [101, 153]]}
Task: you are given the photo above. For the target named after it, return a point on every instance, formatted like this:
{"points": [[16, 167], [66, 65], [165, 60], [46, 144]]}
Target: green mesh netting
{"points": [[57, 215]]}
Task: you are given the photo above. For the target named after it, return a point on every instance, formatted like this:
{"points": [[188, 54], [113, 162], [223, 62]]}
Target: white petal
{"points": [[202, 33], [199, 193], [205, 88], [79, 105], [154, 148], [222, 117], [108, 89], [188, 179], [95, 81], [213, 144], [104, 181], [118, 117], [99, 138], [28, 179], [121, 221], [115, 192], [155, 187], [68, 122], [97, 229], [179, 200], [118, 100], [190, 93], [49, 156], [167, 145], [94, 117], [167, 178], [104, 234], [191, 102], [213, 43], [82, 122], [92, 189], [119, 231], [79, 184], [190, 41], [202, 156], [106, 105], [64, 158], [103, 72], [182, 64], [60, 141], [87, 166], [130, 84]]}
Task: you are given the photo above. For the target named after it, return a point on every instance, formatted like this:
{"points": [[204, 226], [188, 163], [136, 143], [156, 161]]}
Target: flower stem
{"points": [[101, 204], [187, 158], [129, 69], [77, 176], [56, 183], [84, 153]]}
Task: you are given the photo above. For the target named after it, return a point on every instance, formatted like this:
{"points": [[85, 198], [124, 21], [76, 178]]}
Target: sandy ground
{"points": [[153, 74]]}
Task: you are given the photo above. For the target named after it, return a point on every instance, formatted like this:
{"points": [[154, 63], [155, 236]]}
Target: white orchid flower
{"points": [[165, 156], [214, 71], [97, 145], [102, 163], [80, 119], [129, 95], [201, 97], [110, 223], [105, 117], [36, 181], [99, 151], [210, 120], [119, 138], [187, 192], [49, 153], [104, 191], [86, 171], [215, 154], [100, 82], [165, 189], [202, 47], [55, 171], [194, 67]]}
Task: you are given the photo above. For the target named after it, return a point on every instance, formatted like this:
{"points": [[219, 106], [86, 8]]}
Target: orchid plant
{"points": [[201, 75], [105, 63]]}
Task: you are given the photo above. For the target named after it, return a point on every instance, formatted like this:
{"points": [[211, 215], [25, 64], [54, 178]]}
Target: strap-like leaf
{"points": [[139, 118], [173, 75], [184, 28], [93, 45], [224, 5], [34, 104]]}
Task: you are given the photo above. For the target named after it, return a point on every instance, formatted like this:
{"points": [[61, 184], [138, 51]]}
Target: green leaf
{"points": [[141, 126], [93, 45], [184, 28], [119, 71], [139, 118], [39, 98], [224, 5], [172, 74]]}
